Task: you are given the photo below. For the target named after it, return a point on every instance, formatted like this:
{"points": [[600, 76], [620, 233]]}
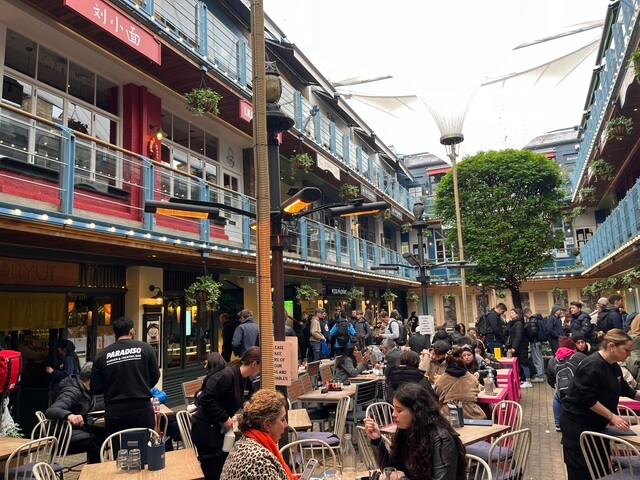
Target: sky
{"points": [[441, 53]]}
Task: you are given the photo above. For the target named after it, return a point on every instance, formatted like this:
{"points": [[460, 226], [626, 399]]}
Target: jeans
{"points": [[536, 357], [316, 346], [557, 407]]}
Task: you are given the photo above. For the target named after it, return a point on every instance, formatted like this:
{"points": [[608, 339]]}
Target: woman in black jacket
{"points": [[347, 366], [406, 371], [221, 398], [519, 346]]}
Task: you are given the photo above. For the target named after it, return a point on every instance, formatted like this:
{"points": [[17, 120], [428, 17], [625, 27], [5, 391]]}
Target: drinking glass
{"points": [[388, 472], [135, 462], [122, 460]]}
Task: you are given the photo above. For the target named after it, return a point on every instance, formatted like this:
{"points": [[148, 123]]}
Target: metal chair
{"points": [[313, 369], [629, 415], [365, 449], [333, 438], [306, 383], [506, 412], [40, 416], [366, 394], [162, 423], [44, 471], [19, 465], [513, 464], [62, 431], [184, 426], [297, 453], [477, 468], [294, 391], [106, 450], [381, 413], [606, 454]]}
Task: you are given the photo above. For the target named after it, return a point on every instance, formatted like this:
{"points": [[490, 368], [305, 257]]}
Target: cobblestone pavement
{"points": [[545, 457]]}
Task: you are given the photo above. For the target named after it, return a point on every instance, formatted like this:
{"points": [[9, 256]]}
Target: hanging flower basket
{"points": [[412, 297], [348, 191], [635, 61], [306, 293], [389, 296], [449, 297], [618, 127], [203, 100], [204, 290], [353, 294], [301, 161]]}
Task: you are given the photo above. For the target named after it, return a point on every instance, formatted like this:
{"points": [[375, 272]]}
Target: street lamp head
{"points": [[418, 210], [301, 200], [451, 139], [273, 84], [411, 258]]}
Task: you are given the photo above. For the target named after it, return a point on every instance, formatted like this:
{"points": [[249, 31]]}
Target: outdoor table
{"points": [[469, 433], [500, 395], [180, 465], [366, 377], [298, 419], [632, 439], [8, 445], [316, 396], [631, 403]]}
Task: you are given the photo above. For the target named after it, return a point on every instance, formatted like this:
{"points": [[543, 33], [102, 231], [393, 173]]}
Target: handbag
{"points": [[325, 350]]}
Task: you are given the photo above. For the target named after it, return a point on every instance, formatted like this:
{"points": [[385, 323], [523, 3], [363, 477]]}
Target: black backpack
{"points": [[342, 335], [532, 327], [402, 334], [482, 324], [565, 371], [305, 333]]}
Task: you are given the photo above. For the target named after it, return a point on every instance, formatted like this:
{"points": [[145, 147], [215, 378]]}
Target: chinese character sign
{"points": [[118, 25]]}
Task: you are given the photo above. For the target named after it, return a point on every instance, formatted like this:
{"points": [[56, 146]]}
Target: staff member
{"points": [[124, 372], [221, 398], [592, 398]]}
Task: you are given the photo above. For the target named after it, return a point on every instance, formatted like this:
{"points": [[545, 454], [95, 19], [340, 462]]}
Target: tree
{"points": [[509, 201]]}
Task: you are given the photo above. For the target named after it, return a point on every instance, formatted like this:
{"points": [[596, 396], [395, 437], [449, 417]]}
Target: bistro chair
{"points": [[40, 416], [313, 370], [366, 394], [506, 412], [332, 438], [19, 465], [184, 426], [297, 453], [477, 468], [43, 471], [381, 413], [511, 454], [628, 414], [61, 430], [597, 449], [294, 392], [107, 453]]}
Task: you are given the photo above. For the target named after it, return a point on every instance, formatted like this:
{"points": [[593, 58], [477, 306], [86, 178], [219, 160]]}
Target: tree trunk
{"points": [[515, 295]]}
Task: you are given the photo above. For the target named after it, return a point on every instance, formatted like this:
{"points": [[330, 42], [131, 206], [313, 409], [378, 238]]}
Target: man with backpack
{"points": [[610, 317], [533, 323], [560, 372], [341, 334], [490, 326], [394, 330], [362, 327]]}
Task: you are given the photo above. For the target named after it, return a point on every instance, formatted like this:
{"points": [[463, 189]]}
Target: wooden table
{"points": [[469, 433], [180, 465], [366, 377], [298, 419], [8, 445], [316, 396], [501, 394], [633, 439]]}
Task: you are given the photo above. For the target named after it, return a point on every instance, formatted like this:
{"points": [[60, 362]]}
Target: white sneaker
{"points": [[538, 380], [526, 384]]}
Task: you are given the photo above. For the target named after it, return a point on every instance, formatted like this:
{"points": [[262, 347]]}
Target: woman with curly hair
{"points": [[256, 455], [436, 451]]}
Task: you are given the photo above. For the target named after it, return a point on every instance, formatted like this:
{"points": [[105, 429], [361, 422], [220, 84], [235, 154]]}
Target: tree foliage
{"points": [[509, 201]]}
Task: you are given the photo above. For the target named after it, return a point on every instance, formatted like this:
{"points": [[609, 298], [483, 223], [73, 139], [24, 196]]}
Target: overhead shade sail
{"points": [[30, 311]]}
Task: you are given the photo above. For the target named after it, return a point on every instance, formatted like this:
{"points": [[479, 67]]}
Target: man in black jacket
{"points": [[73, 403], [495, 335], [580, 321], [124, 372]]}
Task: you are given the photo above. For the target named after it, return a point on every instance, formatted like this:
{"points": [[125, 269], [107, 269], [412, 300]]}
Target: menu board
{"points": [[285, 361]]}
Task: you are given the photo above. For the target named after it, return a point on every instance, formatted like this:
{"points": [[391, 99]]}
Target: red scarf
{"points": [[267, 442]]}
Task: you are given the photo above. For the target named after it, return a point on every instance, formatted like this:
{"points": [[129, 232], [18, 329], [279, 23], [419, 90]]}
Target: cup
{"points": [[155, 457], [122, 460], [497, 352], [135, 461], [388, 471]]}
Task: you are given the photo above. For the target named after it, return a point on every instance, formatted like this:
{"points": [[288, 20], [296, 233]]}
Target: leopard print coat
{"points": [[249, 460]]}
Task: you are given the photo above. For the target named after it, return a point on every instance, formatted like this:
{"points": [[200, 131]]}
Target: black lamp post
{"points": [[424, 273], [277, 122]]}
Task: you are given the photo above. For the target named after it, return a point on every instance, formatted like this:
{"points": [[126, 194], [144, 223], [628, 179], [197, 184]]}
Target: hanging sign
{"points": [[118, 25]]}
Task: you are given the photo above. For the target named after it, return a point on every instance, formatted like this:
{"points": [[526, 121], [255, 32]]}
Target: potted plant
{"points": [[412, 297], [575, 251], [635, 61], [353, 294], [618, 127], [202, 100], [348, 191], [588, 193], [501, 294], [449, 297], [301, 161], [601, 170], [389, 296], [206, 290], [406, 227], [77, 125], [306, 293]]}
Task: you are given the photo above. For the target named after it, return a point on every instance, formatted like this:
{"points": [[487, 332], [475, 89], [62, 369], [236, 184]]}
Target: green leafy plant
{"points": [[204, 289], [575, 251], [588, 193], [406, 227], [412, 297], [203, 100], [301, 161], [77, 125], [557, 291], [353, 294], [389, 296], [384, 215], [306, 293], [501, 294], [348, 191], [449, 297], [618, 127], [635, 61], [601, 169]]}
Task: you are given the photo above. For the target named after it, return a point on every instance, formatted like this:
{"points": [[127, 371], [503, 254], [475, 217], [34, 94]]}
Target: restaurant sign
{"points": [[338, 291], [367, 193], [118, 25], [246, 110], [20, 271]]}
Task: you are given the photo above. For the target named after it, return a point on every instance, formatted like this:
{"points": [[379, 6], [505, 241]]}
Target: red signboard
{"points": [[246, 110], [118, 25]]}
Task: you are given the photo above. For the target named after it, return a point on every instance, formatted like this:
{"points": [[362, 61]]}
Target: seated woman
{"points": [[347, 366], [256, 455], [436, 450], [406, 371], [475, 368], [457, 385]]}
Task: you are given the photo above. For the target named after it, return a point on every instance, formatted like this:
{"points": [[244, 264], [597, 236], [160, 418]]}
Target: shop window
{"points": [[20, 53], [52, 68], [81, 83]]}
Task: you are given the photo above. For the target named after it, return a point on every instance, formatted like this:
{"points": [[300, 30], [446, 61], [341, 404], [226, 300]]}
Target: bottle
{"points": [[155, 403], [229, 440], [488, 383], [454, 418], [348, 459]]}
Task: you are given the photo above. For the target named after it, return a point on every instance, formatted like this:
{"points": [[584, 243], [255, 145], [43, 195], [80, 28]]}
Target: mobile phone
{"points": [[308, 470]]}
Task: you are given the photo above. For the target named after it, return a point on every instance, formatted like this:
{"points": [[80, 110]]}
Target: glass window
{"points": [[17, 92], [81, 83], [211, 147], [52, 69], [181, 132], [49, 106], [20, 53], [107, 95], [166, 125], [196, 136]]}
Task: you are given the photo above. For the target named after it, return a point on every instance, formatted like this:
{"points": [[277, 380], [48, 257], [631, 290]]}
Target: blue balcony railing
{"points": [[618, 229], [51, 174], [612, 65]]}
